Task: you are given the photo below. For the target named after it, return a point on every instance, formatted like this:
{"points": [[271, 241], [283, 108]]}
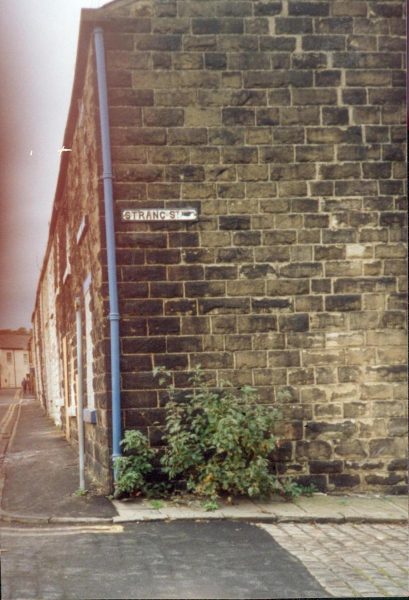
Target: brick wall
{"points": [[283, 123]]}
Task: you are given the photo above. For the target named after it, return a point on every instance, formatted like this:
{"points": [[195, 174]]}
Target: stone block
{"points": [[288, 430], [395, 355], [344, 480], [322, 357], [293, 323], [326, 375], [326, 466], [360, 356], [354, 410], [385, 447], [349, 339], [257, 323], [398, 427], [388, 408], [327, 411], [212, 360], [251, 359], [343, 303], [264, 305], [301, 376], [313, 450], [331, 430], [351, 449]]}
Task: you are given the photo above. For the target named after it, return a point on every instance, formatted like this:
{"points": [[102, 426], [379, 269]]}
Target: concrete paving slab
{"points": [[128, 512], [122, 506], [280, 509], [240, 512], [378, 508], [191, 514], [321, 506], [400, 501], [240, 508]]}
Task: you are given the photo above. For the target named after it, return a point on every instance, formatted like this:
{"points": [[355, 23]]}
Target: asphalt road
{"points": [[150, 560], [140, 560], [6, 399]]}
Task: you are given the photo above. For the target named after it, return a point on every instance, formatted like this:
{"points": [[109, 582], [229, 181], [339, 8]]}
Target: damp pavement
{"points": [[39, 475], [99, 549]]}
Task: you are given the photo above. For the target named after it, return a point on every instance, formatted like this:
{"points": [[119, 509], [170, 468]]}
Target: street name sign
{"points": [[159, 214]]}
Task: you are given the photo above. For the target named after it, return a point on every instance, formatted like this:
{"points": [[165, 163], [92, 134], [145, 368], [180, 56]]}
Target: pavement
{"points": [[39, 474], [39, 480]]}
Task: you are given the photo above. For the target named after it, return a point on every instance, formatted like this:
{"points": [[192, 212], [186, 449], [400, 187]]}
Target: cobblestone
{"points": [[350, 560]]}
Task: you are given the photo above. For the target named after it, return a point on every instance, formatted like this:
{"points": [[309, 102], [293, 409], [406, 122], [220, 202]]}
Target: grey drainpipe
{"points": [[80, 393], [110, 233]]}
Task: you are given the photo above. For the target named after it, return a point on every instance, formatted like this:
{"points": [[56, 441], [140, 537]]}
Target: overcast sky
{"points": [[38, 43]]}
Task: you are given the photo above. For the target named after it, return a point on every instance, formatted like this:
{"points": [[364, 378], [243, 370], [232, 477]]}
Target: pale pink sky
{"points": [[38, 43]]}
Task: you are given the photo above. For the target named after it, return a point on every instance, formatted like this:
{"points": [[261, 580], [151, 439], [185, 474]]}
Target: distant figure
{"points": [[24, 385]]}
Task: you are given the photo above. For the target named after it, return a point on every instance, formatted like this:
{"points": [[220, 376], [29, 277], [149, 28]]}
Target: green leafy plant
{"points": [[284, 395], [131, 470], [210, 505], [291, 489], [162, 372], [217, 442], [81, 492], [220, 440], [308, 490]]}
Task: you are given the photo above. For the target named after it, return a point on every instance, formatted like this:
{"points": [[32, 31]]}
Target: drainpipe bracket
{"points": [[90, 416]]}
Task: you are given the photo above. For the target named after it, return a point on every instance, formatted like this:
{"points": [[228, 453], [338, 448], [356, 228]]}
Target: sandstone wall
{"points": [[75, 259], [284, 124]]}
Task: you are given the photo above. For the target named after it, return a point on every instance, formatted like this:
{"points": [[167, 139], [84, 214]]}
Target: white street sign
{"points": [[159, 214]]}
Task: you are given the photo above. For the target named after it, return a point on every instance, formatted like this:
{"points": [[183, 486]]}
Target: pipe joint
{"points": [[114, 317], [107, 176]]}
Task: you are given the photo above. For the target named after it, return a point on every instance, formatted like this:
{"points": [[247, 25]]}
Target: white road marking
{"points": [[57, 531]]}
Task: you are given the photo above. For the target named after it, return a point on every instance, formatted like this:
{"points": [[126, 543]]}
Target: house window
{"points": [[25, 358], [9, 358]]}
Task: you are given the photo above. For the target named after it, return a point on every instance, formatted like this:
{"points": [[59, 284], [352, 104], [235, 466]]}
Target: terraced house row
{"points": [[275, 132]]}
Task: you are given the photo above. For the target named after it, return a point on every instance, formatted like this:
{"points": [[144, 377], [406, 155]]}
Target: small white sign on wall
{"points": [[159, 214]]}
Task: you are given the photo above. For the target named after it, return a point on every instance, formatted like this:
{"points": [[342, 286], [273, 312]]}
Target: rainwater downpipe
{"points": [[107, 177], [80, 393]]}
